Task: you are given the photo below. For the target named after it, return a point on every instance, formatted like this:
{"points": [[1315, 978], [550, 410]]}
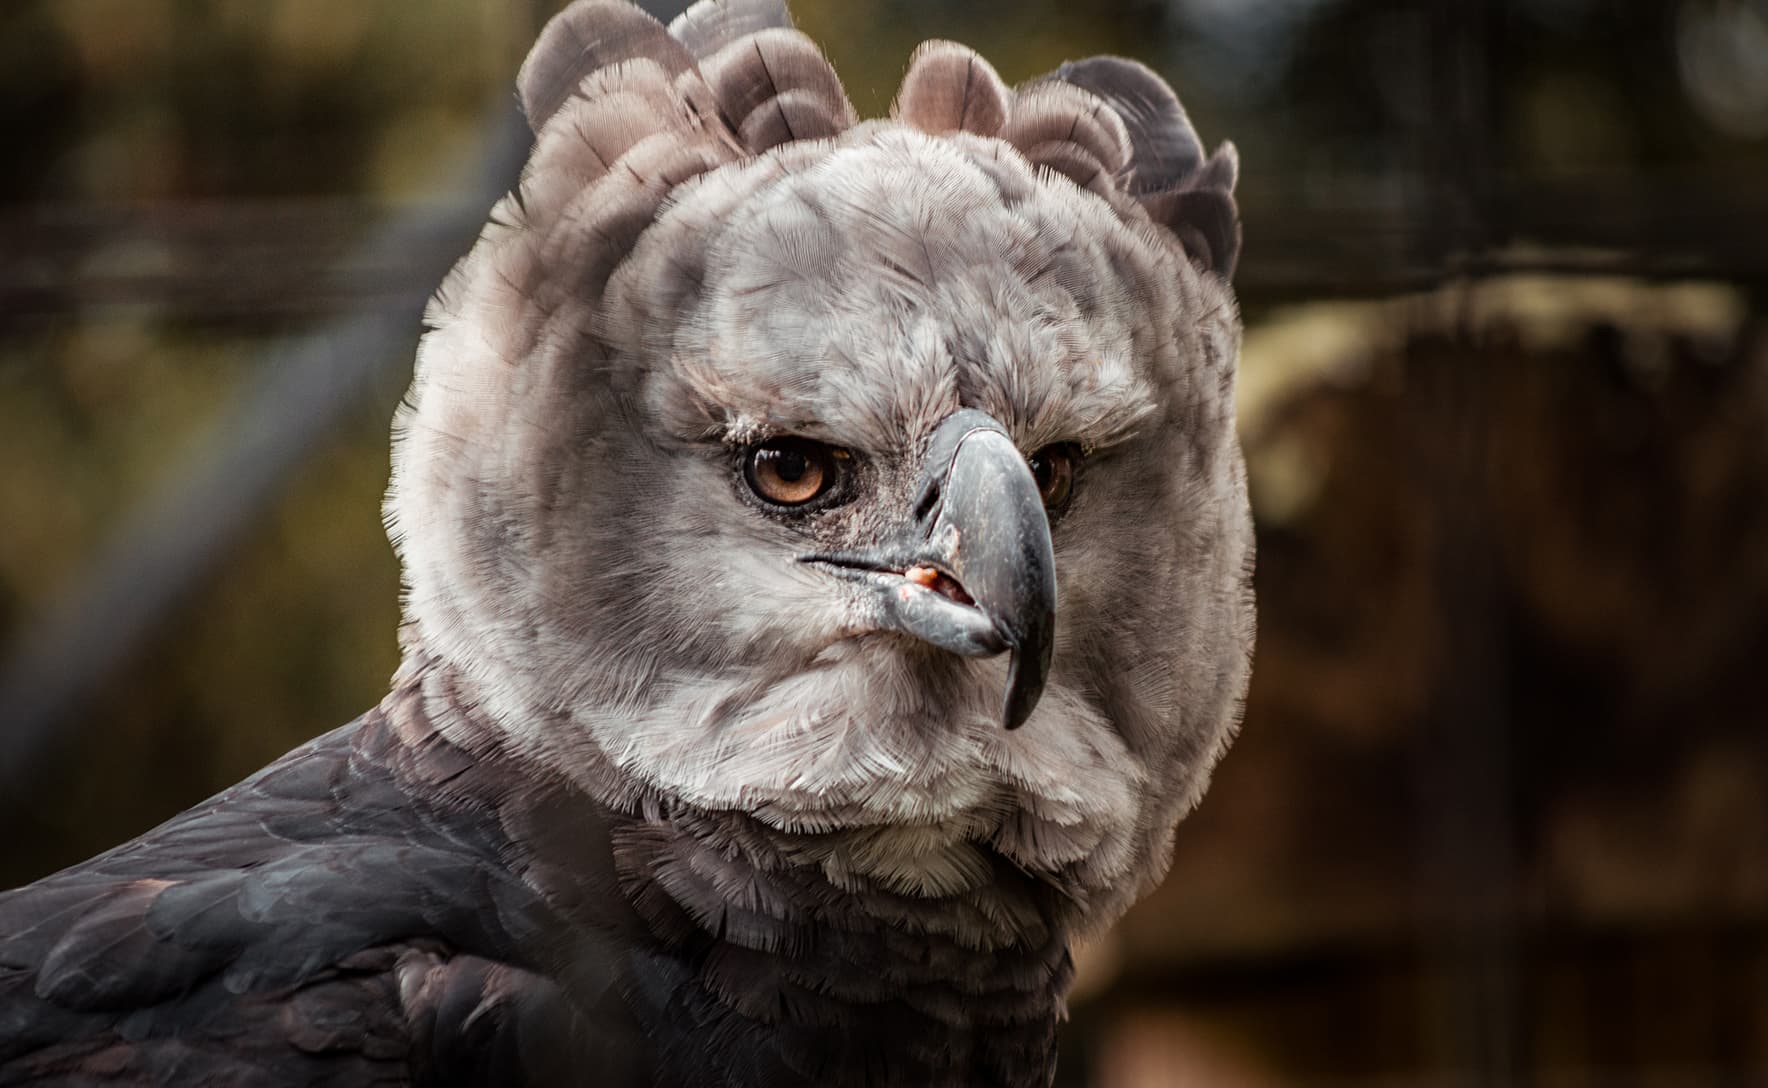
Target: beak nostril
{"points": [[929, 498]]}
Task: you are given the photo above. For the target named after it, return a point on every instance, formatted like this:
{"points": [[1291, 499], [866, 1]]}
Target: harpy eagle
{"points": [[827, 554]]}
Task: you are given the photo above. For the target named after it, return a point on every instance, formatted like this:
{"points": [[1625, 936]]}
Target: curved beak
{"points": [[973, 572]]}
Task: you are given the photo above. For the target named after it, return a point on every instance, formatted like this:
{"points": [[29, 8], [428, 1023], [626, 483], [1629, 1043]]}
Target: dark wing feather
{"points": [[478, 1022], [337, 917]]}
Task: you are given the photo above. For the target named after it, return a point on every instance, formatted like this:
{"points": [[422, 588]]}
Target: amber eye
{"points": [[1053, 469], [792, 471]]}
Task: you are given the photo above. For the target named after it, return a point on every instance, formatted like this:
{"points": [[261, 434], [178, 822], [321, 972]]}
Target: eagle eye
{"points": [[1053, 469], [792, 471]]}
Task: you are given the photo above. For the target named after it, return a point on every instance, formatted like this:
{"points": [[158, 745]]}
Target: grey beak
{"points": [[973, 572]]}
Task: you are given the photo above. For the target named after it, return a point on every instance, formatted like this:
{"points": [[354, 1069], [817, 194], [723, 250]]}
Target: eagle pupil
{"points": [[789, 465], [1053, 469]]}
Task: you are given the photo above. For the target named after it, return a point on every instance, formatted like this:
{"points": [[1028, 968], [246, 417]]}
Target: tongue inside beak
{"points": [[939, 582]]}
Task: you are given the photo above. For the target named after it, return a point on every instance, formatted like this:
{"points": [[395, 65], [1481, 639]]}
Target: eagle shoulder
{"points": [[335, 916]]}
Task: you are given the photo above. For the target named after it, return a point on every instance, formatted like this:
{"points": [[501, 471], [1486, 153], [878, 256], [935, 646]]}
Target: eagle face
{"points": [[877, 481]]}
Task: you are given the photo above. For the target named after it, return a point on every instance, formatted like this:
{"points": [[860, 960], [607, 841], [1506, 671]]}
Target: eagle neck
{"points": [[778, 938]]}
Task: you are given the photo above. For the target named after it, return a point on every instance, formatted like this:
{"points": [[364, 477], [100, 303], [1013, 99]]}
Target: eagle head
{"points": [[877, 480]]}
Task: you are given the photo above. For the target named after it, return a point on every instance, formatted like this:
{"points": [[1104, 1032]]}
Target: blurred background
{"points": [[1499, 811]]}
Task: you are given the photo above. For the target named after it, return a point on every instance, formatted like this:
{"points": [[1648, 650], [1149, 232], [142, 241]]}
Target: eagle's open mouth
{"points": [[939, 582]]}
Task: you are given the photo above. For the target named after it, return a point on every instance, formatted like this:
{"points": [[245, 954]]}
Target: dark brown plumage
{"points": [[382, 906]]}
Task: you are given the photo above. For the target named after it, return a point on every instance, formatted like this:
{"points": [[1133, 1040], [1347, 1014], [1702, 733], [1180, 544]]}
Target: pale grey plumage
{"points": [[806, 837]]}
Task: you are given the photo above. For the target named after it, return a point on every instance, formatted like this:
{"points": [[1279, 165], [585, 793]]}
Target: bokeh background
{"points": [[1499, 811]]}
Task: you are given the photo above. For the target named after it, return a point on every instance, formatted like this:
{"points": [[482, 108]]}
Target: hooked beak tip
{"points": [[1015, 707]]}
